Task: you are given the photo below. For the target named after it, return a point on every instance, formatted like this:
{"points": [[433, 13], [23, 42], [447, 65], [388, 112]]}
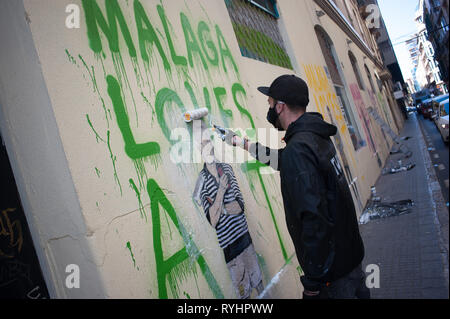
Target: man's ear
{"points": [[280, 107]]}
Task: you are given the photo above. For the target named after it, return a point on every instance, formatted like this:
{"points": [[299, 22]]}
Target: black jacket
{"points": [[320, 214]]}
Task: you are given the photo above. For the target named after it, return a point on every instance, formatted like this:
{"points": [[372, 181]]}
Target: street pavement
{"points": [[411, 250]]}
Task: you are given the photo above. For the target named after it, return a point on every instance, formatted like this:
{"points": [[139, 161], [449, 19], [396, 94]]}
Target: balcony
{"points": [[364, 12]]}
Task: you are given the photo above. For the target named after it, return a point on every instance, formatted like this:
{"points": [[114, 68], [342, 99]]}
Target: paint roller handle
{"points": [[231, 138]]}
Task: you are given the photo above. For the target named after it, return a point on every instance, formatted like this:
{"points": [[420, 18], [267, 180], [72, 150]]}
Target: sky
{"points": [[399, 16]]}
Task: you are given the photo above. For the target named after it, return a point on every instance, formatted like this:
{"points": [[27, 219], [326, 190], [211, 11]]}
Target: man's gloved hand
{"points": [[312, 289], [232, 139]]}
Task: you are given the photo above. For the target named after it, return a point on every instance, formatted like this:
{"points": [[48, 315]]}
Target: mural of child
{"points": [[217, 191]]}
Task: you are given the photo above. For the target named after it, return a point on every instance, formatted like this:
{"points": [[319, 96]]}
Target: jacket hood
{"points": [[311, 122]]}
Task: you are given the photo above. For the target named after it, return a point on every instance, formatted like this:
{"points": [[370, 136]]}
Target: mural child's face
{"points": [[207, 151]]}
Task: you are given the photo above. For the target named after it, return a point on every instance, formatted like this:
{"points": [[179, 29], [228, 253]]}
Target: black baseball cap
{"points": [[289, 89]]}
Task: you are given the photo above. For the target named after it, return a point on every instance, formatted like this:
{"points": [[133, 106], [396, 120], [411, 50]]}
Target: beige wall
{"points": [[119, 227]]}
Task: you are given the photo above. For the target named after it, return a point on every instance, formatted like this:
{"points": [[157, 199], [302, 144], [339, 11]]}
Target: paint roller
{"points": [[195, 114]]}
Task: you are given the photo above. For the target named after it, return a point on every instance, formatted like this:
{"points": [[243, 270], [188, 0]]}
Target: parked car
{"points": [[435, 105], [426, 108], [442, 119]]}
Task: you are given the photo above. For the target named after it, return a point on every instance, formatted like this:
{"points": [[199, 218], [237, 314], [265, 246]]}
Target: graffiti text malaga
{"points": [[198, 43]]}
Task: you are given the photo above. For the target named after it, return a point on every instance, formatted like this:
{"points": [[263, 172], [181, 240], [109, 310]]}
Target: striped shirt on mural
{"points": [[230, 227]]}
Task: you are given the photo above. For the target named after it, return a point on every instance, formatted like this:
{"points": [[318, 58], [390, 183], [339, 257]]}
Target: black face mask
{"points": [[273, 118]]}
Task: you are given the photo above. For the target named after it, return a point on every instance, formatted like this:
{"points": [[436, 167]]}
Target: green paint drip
{"points": [[97, 171], [123, 78], [140, 171], [150, 105], [131, 252], [94, 82], [114, 159], [71, 58], [94, 85], [138, 195], [226, 114], [97, 136], [187, 295]]}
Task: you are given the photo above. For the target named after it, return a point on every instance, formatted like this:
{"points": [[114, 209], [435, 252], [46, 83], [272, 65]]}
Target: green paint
{"points": [[132, 149], [224, 50], [207, 98], [219, 93], [97, 171], [149, 104], [123, 78], [147, 35], [187, 295], [178, 60], [235, 90], [97, 136], [191, 42], [94, 82], [94, 85], [188, 88], [164, 97], [208, 46], [114, 159], [138, 195], [96, 19], [131, 252], [300, 271], [71, 58], [179, 263]]}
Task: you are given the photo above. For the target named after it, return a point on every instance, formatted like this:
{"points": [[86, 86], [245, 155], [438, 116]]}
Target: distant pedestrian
{"points": [[319, 209]]}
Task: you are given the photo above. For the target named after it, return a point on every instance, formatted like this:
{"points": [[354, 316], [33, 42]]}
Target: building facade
{"points": [[92, 97], [412, 45], [436, 20]]}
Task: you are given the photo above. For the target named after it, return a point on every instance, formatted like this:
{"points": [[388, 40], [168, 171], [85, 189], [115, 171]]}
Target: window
{"points": [[355, 67], [257, 31], [379, 83], [267, 5], [369, 77], [335, 71]]}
